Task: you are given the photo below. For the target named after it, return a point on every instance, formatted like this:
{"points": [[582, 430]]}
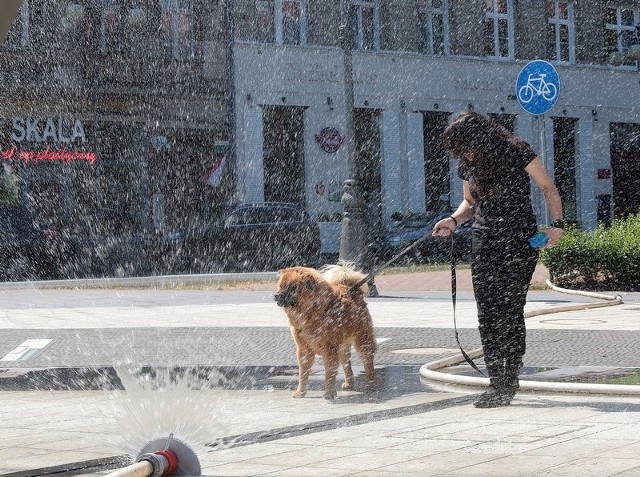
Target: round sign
{"points": [[538, 87], [329, 139]]}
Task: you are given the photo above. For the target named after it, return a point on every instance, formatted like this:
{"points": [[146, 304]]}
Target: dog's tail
{"points": [[344, 274]]}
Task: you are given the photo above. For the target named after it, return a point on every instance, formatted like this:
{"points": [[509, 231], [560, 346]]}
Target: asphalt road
{"points": [[261, 347]]}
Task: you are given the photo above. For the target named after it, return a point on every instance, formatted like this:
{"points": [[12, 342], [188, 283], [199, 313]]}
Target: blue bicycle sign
{"points": [[537, 87]]}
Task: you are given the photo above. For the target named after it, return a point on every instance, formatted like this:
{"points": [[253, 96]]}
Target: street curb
{"points": [[162, 281]]}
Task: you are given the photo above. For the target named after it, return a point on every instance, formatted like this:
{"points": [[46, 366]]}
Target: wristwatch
{"points": [[557, 224]]}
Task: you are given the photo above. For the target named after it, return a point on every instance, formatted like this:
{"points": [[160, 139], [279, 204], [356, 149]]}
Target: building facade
{"points": [[414, 63], [130, 118], [114, 113]]}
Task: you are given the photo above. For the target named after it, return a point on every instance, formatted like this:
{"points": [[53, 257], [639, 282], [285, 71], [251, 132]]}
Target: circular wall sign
{"points": [[329, 139]]}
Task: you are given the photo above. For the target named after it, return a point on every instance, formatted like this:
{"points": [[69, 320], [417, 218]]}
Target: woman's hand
{"points": [[444, 227], [554, 234]]}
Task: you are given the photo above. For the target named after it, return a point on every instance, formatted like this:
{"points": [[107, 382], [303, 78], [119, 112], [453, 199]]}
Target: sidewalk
{"points": [[418, 281], [441, 280], [410, 427]]}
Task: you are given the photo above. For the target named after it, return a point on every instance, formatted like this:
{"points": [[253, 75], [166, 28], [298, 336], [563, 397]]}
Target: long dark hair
{"points": [[469, 131]]}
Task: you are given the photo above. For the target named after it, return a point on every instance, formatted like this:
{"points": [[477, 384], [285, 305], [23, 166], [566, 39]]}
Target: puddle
{"points": [[392, 380]]}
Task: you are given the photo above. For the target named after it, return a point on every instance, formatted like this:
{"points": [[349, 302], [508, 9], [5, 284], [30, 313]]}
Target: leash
{"points": [[452, 258], [453, 301], [377, 270]]}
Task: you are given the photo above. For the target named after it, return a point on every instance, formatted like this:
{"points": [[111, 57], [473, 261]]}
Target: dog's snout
{"points": [[284, 299]]}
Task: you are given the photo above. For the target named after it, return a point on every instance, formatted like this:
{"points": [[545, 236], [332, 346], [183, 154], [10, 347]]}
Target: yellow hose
{"points": [[139, 469]]}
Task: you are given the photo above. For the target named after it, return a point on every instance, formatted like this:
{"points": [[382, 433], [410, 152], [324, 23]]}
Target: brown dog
{"points": [[327, 316]]}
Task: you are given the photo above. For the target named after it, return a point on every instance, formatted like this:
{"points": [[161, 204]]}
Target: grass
{"points": [[538, 286], [435, 267], [614, 376], [631, 377]]}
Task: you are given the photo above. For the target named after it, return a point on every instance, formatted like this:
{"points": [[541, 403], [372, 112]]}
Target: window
{"points": [[433, 17], [564, 161], [621, 29], [120, 188], [127, 26], [437, 166], [176, 27], [365, 24], [560, 31], [111, 27], [285, 214], [266, 32], [120, 177], [281, 22], [49, 24], [71, 20], [625, 151], [239, 217], [123, 26], [499, 29]]}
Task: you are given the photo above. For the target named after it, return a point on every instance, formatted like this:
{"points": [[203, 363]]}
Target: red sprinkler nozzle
{"points": [[172, 461], [164, 462], [168, 455]]}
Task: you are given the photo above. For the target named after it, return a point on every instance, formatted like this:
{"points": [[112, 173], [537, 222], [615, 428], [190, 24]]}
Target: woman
{"points": [[495, 167]]}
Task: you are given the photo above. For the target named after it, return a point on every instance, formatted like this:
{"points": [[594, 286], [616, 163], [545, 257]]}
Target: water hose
{"points": [[430, 371], [154, 462], [139, 469], [568, 291]]}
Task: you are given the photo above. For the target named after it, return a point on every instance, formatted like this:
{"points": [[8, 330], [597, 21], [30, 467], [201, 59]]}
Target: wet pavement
{"points": [[85, 382]]}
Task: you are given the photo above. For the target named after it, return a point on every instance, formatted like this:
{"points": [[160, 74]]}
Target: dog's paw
{"points": [[347, 386], [371, 387], [299, 394], [330, 395]]}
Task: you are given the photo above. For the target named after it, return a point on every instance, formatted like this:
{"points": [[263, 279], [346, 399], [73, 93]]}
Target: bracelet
{"points": [[557, 224], [454, 220]]}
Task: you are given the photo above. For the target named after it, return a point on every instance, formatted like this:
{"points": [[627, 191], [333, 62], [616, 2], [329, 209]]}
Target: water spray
{"points": [[160, 458]]}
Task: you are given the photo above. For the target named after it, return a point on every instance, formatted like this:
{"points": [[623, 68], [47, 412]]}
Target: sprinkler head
{"points": [[163, 462], [172, 461], [175, 454]]}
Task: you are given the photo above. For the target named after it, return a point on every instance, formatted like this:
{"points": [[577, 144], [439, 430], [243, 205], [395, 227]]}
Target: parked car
{"points": [[115, 248], [432, 249], [27, 251], [252, 237]]}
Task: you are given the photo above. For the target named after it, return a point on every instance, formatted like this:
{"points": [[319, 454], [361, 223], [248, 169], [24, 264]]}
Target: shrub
{"points": [[607, 257]]}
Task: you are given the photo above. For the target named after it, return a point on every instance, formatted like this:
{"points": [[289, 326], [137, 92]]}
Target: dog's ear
{"points": [[310, 283]]}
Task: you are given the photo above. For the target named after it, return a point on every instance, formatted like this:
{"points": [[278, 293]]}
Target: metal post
{"points": [[543, 154], [350, 243], [229, 38], [353, 232]]}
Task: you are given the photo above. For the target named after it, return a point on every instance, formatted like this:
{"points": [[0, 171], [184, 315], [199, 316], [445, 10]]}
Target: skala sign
{"points": [[55, 130], [47, 140]]}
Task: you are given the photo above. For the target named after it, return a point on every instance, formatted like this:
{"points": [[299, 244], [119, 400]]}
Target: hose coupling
{"points": [[163, 462]]}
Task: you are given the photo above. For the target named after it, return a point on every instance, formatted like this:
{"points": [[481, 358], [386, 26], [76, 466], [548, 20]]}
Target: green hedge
{"points": [[605, 258]]}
